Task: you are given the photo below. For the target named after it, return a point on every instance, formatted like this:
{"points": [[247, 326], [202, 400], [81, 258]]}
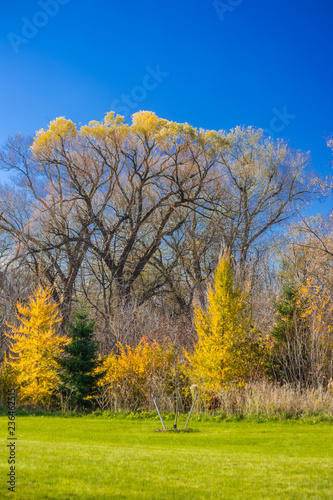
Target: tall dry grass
{"points": [[272, 400], [259, 399]]}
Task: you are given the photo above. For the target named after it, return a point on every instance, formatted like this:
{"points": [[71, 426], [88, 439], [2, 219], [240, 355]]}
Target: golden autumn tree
{"points": [[226, 351], [34, 346], [133, 374]]}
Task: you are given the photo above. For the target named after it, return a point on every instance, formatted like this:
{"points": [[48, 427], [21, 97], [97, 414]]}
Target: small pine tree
{"points": [[79, 377], [34, 349], [290, 361], [226, 350], [285, 314]]}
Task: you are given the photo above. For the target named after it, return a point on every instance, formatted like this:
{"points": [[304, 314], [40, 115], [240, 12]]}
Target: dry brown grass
{"points": [[259, 399], [271, 400]]}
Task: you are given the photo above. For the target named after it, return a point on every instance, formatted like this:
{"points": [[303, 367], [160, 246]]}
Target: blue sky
{"points": [[212, 64]]}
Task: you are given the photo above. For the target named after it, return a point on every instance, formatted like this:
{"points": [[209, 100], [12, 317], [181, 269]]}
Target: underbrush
{"points": [[261, 401], [271, 401], [170, 417]]}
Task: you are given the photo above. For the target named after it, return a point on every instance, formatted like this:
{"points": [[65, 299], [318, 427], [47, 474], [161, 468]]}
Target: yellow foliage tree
{"points": [[34, 347], [132, 374], [226, 351]]}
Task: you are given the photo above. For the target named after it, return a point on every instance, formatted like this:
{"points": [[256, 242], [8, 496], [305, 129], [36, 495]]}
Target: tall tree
{"points": [[110, 187], [266, 182], [39, 214], [124, 193]]}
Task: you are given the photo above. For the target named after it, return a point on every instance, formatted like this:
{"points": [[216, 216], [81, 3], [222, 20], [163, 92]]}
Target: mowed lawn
{"points": [[88, 458]]}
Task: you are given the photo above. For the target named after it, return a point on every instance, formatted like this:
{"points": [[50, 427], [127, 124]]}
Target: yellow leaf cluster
{"points": [[315, 306], [102, 130], [147, 122], [59, 129], [133, 365]]}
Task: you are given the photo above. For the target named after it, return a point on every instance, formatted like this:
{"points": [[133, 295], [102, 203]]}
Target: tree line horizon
{"points": [[134, 219]]}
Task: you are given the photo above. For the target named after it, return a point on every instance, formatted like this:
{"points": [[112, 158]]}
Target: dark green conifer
{"points": [[290, 357], [285, 309], [78, 380]]}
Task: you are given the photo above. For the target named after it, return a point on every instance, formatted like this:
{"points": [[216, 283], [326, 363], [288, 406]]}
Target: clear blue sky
{"points": [[250, 65]]}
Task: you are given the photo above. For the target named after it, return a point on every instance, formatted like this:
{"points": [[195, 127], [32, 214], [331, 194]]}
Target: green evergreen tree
{"points": [[79, 378], [290, 359], [285, 314]]}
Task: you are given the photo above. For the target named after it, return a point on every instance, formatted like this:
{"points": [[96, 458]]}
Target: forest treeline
{"points": [[137, 221]]}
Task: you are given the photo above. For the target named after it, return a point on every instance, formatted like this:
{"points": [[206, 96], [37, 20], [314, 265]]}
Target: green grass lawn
{"points": [[88, 458]]}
